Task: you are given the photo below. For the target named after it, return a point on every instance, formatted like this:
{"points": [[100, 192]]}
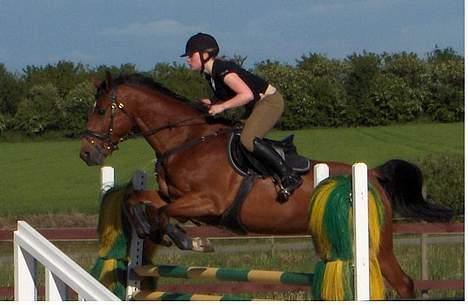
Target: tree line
{"points": [[363, 89]]}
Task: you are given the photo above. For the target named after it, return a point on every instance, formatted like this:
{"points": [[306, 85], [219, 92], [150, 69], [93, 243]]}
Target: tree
{"points": [[445, 87], [64, 76], [39, 111], [12, 90], [361, 73], [179, 79], [407, 66], [75, 107], [319, 65], [100, 71]]}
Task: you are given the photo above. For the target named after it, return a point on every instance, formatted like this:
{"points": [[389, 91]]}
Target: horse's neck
{"points": [[175, 122]]}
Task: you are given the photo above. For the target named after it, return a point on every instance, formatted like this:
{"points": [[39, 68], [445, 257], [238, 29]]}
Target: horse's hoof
{"points": [[201, 245], [161, 240], [179, 237], [138, 219]]}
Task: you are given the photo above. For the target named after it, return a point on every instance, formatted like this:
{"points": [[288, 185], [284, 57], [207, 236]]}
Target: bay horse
{"points": [[197, 181]]}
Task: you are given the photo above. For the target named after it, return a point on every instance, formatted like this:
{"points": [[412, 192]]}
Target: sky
{"points": [[147, 32]]}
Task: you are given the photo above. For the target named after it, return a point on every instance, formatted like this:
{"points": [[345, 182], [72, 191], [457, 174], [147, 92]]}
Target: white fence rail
{"points": [[61, 272]]}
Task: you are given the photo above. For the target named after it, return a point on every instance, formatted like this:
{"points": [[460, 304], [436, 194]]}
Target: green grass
{"points": [[48, 176]]}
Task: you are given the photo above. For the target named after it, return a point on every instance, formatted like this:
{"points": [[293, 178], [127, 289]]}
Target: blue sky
{"points": [[145, 32]]}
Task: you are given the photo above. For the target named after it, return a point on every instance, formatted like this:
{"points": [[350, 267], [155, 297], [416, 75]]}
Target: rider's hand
{"points": [[215, 109], [206, 102]]}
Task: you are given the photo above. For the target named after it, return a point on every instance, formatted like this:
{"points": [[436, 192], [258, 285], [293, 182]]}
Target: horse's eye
{"points": [[101, 111]]}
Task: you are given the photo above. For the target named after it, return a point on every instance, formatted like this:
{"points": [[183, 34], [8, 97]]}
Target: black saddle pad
{"points": [[244, 162]]}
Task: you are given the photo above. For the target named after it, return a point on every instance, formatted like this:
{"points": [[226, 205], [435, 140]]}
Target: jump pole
{"points": [[136, 247]]}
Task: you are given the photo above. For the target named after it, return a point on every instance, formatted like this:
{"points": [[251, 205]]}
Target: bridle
{"points": [[106, 137]]}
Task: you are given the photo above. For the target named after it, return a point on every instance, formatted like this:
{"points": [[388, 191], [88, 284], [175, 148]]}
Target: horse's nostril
{"points": [[84, 155]]}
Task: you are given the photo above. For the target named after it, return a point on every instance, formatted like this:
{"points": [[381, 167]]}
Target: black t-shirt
{"points": [[222, 91]]}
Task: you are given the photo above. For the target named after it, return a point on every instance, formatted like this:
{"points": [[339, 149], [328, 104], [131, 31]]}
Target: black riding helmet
{"points": [[201, 42]]}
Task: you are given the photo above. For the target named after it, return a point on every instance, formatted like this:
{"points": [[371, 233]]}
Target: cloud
{"points": [[161, 27]]}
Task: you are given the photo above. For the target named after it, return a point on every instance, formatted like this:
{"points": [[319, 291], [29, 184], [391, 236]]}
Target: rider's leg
{"points": [[289, 179], [264, 116]]}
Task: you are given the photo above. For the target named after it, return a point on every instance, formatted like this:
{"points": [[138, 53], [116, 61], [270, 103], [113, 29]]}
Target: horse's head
{"points": [[108, 122]]}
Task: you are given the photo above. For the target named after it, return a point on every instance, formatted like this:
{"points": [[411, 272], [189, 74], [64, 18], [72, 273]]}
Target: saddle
{"points": [[245, 163]]}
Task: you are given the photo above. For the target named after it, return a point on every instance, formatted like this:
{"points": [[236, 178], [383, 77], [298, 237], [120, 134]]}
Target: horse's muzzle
{"points": [[91, 155]]}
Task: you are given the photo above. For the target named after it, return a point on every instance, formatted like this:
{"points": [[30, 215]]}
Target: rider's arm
{"points": [[242, 97]]}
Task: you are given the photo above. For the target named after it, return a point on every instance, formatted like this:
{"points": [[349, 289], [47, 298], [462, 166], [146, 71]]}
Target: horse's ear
{"points": [[109, 79], [96, 82]]}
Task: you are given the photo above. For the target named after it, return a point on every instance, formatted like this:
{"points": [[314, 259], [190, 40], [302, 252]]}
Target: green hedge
{"points": [[365, 89], [444, 180]]}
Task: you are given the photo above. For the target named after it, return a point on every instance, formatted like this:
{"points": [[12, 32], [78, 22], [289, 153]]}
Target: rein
{"points": [[154, 131], [111, 146]]}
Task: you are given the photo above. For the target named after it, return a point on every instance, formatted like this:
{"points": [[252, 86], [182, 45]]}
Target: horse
{"points": [[198, 182]]}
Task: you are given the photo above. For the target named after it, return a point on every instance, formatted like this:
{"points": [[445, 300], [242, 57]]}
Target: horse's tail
{"points": [[111, 266], [330, 224], [403, 182]]}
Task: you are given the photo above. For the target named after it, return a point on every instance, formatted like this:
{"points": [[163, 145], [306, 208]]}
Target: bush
{"points": [[39, 111], [445, 102], [300, 105], [444, 180], [11, 92], [3, 123], [63, 75], [74, 109], [181, 80], [393, 101], [319, 65]]}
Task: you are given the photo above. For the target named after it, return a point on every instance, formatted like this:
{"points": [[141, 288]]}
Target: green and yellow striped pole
{"points": [[170, 296], [225, 274]]}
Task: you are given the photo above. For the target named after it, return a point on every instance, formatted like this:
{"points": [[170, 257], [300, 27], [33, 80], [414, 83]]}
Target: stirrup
{"points": [[286, 191]]}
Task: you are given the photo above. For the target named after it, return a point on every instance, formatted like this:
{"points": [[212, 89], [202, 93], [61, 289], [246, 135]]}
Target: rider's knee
{"points": [[247, 141]]}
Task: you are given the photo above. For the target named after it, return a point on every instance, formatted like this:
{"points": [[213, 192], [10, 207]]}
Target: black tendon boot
{"points": [[289, 179]]}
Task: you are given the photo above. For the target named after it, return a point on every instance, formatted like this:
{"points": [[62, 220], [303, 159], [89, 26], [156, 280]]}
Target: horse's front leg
{"points": [[153, 219], [143, 211], [191, 205]]}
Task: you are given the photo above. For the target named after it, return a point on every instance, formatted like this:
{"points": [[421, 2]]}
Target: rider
{"points": [[233, 87]]}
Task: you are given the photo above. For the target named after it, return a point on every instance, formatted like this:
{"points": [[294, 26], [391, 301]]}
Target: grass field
{"points": [[43, 177]]}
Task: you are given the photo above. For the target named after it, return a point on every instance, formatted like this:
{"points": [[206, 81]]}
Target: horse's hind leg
{"points": [[395, 276], [390, 267]]}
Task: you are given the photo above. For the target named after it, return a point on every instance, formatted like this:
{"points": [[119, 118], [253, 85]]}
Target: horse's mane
{"points": [[150, 83], [147, 82]]}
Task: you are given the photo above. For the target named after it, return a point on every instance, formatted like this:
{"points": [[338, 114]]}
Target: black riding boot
{"points": [[289, 179]]}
